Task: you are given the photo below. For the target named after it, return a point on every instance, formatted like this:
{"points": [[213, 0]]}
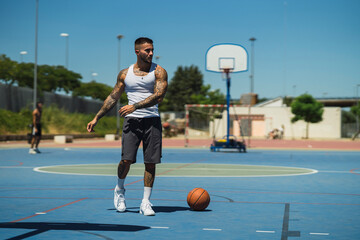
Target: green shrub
{"points": [[54, 121]]}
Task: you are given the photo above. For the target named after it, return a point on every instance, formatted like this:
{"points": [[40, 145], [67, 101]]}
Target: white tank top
{"points": [[138, 88]]}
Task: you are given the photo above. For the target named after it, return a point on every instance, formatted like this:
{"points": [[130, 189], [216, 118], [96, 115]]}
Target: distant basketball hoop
{"points": [[226, 70], [229, 56], [226, 73], [226, 58]]}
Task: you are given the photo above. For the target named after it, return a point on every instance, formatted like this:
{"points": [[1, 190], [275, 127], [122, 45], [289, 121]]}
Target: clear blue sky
{"points": [[302, 45]]}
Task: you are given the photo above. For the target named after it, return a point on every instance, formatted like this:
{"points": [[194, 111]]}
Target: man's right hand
{"points": [[91, 125]]}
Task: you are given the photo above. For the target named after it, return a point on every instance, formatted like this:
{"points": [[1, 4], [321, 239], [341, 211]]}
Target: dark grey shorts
{"points": [[38, 133], [147, 130]]}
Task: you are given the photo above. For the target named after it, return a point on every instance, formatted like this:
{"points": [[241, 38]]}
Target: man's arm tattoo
{"points": [[159, 90], [114, 96], [109, 103]]}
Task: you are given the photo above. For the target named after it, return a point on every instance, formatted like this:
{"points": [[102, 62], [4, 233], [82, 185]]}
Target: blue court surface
{"points": [[262, 194]]}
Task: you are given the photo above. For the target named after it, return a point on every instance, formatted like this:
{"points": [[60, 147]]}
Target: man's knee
{"points": [[125, 162], [150, 167], [123, 168]]}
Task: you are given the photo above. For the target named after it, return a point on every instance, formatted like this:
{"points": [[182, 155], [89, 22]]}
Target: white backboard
{"points": [[226, 56]]}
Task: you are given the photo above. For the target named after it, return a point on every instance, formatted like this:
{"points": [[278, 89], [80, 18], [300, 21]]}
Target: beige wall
{"points": [[330, 127]]}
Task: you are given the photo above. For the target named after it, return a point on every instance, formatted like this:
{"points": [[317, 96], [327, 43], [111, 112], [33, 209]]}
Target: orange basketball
{"points": [[166, 125], [198, 199]]}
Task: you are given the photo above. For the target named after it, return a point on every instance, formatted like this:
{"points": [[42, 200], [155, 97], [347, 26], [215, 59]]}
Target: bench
{"points": [[111, 137], [63, 139]]}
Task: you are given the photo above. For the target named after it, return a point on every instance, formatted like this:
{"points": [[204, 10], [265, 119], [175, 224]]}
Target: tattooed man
{"points": [[145, 84]]}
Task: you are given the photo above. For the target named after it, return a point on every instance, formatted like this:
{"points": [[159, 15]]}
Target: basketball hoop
{"points": [[226, 70], [226, 58], [225, 73]]}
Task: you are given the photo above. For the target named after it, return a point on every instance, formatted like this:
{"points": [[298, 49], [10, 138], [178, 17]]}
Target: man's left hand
{"points": [[127, 109]]}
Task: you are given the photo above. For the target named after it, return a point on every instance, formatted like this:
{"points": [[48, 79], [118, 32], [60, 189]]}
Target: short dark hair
{"points": [[39, 102], [143, 40]]}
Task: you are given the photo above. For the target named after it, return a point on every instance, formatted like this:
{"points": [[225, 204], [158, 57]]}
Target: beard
{"points": [[146, 59]]}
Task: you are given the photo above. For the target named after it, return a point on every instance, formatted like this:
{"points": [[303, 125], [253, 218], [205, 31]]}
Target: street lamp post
{"points": [[252, 40], [357, 103], [252, 64], [36, 53], [22, 53], [119, 37], [66, 35]]}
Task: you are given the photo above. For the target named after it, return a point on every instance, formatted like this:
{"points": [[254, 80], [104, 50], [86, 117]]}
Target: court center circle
{"points": [[181, 170]]}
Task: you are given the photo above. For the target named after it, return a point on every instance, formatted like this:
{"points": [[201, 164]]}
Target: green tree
{"points": [[164, 105], [47, 79], [57, 78], [207, 96], [50, 78], [200, 117], [186, 82], [187, 87], [24, 75], [7, 70], [93, 89], [288, 101], [347, 117], [356, 111], [306, 108], [96, 90]]}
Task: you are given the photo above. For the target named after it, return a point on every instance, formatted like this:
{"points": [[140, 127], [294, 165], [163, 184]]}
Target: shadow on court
{"points": [[157, 209], [167, 209], [40, 227]]}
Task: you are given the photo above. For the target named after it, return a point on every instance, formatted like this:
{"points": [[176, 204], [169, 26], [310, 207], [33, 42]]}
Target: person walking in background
{"points": [[36, 129], [282, 131]]}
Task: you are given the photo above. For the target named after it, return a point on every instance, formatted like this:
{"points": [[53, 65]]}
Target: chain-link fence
{"points": [[348, 130], [15, 98]]}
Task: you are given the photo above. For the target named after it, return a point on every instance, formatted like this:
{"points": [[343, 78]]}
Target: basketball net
{"points": [[225, 73]]}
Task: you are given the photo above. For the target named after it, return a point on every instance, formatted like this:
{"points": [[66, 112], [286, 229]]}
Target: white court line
{"points": [[261, 231], [190, 169], [323, 234], [330, 171], [38, 213], [14, 167], [38, 169], [212, 229], [135, 168], [159, 227]]}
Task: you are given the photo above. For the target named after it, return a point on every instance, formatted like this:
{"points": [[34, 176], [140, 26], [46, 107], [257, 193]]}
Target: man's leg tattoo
{"points": [[123, 168], [149, 175]]}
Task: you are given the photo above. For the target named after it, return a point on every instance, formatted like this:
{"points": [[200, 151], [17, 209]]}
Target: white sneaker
{"points": [[32, 151], [119, 200], [146, 209]]}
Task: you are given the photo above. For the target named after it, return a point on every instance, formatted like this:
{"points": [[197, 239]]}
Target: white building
{"points": [[274, 114]]}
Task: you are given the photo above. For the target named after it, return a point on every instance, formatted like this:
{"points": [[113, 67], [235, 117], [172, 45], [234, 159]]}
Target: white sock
{"points": [[120, 184], [147, 194]]}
